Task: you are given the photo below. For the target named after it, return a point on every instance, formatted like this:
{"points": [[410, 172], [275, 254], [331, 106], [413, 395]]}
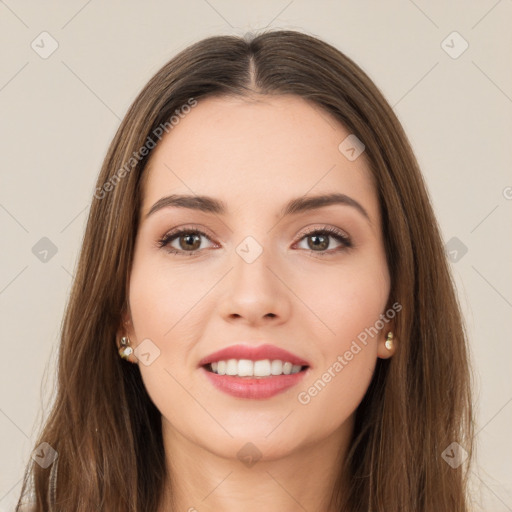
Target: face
{"points": [[260, 273]]}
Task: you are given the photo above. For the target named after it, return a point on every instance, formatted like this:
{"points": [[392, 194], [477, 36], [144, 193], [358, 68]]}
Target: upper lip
{"points": [[253, 353]]}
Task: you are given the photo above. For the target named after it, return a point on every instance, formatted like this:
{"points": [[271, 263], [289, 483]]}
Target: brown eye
{"points": [[190, 242], [186, 241], [319, 240]]}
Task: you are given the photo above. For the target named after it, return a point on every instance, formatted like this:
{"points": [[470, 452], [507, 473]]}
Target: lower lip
{"points": [[247, 387]]}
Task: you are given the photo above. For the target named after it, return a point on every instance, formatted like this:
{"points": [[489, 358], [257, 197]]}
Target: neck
{"points": [[201, 481]]}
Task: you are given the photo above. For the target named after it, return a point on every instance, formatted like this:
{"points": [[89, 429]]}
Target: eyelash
{"points": [[327, 230]]}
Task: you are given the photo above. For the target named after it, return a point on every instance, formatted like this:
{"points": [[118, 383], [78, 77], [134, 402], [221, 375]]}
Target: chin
{"points": [[257, 441]]}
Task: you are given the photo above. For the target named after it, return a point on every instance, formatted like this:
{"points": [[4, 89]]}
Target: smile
{"points": [[253, 372]]}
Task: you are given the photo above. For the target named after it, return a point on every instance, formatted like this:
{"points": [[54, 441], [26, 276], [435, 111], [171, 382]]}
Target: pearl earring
{"points": [[389, 341], [125, 351]]}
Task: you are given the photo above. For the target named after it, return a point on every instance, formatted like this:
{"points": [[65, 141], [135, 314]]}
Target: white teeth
{"points": [[245, 368], [276, 367], [262, 368], [248, 368], [232, 367]]}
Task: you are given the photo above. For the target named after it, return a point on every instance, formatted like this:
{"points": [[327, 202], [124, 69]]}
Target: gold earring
{"points": [[389, 341], [125, 351]]}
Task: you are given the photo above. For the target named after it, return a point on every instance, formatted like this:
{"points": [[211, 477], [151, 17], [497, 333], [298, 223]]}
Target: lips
{"points": [[257, 372]]}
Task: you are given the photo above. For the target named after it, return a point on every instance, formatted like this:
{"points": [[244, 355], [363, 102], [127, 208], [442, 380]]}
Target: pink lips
{"points": [[252, 387]]}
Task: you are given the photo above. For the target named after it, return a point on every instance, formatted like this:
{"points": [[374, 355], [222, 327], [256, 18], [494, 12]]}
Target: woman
{"points": [[308, 352]]}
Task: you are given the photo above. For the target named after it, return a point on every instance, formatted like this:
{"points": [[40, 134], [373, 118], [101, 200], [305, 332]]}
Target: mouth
{"points": [[253, 372]]}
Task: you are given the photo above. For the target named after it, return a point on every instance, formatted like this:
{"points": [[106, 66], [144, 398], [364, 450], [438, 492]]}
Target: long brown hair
{"points": [[103, 425]]}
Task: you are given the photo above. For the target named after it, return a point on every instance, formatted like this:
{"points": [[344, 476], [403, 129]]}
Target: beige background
{"points": [[59, 113]]}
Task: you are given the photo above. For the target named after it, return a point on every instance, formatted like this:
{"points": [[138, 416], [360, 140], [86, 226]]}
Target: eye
{"points": [[188, 240], [318, 240]]}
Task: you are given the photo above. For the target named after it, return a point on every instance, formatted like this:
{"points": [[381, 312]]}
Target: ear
{"points": [[382, 351], [126, 329]]}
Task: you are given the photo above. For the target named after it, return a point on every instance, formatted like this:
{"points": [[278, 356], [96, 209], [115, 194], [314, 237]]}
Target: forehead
{"points": [[256, 153]]}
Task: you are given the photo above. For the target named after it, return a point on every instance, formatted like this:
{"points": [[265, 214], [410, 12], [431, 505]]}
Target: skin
{"points": [[255, 154]]}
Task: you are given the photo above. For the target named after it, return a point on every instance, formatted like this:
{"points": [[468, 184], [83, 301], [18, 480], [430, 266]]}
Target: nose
{"points": [[255, 292]]}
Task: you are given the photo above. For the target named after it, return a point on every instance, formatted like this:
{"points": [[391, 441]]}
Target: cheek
{"points": [[161, 306], [334, 393], [349, 302], [160, 300]]}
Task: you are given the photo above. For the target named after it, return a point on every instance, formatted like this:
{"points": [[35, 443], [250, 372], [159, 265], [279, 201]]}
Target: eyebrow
{"points": [[302, 204]]}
